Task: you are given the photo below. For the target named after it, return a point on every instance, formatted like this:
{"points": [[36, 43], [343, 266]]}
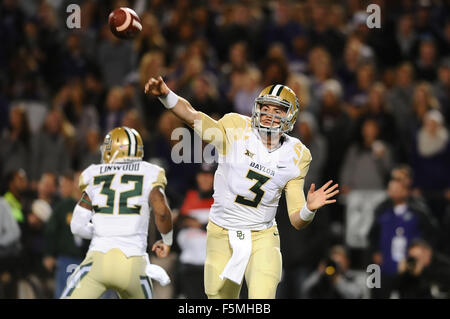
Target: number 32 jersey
{"points": [[119, 194], [249, 179]]}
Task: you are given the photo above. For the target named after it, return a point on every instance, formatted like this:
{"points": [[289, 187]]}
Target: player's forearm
{"points": [[209, 130], [186, 112], [181, 108], [297, 222], [164, 221], [301, 218], [165, 227], [163, 215]]}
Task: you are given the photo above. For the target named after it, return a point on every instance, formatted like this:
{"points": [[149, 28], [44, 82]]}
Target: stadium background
{"points": [[360, 90]]}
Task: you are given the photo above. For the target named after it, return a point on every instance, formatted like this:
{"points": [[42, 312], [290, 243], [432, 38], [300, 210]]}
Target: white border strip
{"points": [[146, 285], [132, 140]]}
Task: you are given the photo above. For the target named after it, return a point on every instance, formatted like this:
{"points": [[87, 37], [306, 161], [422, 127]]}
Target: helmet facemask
{"points": [[286, 122]]}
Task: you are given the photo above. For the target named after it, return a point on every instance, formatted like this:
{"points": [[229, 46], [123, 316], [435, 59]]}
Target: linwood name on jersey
{"points": [[116, 168]]}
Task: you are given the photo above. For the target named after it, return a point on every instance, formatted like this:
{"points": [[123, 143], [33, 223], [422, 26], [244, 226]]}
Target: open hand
{"points": [[156, 87], [321, 197], [162, 250]]}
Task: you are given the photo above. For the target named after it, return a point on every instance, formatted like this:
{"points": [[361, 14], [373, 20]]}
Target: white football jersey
{"points": [[119, 194], [249, 179]]}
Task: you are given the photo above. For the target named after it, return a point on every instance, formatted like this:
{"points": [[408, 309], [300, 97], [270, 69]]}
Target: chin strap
{"points": [[113, 158]]}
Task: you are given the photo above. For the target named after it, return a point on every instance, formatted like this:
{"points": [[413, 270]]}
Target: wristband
{"points": [[306, 214], [170, 100], [168, 238]]}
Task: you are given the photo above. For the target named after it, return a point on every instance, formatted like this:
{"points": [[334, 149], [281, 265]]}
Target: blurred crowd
{"points": [[375, 113]]}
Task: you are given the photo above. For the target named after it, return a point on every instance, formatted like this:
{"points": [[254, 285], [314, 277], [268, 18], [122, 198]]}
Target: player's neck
{"points": [[271, 141]]}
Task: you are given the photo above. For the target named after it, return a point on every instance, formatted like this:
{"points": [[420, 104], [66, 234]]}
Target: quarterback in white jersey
{"points": [[257, 161], [114, 213], [258, 177]]}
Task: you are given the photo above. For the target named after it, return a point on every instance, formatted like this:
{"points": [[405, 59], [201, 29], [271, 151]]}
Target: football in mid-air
{"points": [[124, 23]]}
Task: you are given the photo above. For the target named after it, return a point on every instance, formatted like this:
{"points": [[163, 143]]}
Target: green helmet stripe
{"points": [[271, 89]]}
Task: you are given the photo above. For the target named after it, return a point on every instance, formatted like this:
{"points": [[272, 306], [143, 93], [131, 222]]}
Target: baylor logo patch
{"points": [[249, 154], [240, 235]]}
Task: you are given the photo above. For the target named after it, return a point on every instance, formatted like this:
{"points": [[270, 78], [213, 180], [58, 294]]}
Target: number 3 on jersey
{"points": [[259, 193], [123, 199]]}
